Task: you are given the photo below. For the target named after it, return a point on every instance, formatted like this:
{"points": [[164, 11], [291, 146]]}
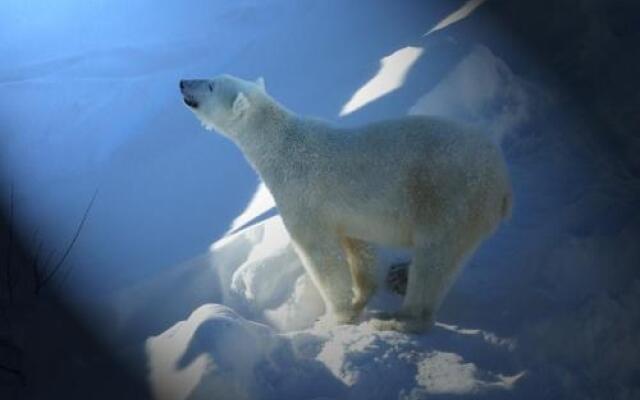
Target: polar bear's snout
{"points": [[189, 88]]}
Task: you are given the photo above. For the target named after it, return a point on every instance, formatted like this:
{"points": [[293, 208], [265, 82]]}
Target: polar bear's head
{"points": [[223, 102]]}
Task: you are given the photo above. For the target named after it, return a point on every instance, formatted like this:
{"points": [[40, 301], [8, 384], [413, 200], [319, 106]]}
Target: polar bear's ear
{"points": [[240, 104], [261, 85]]}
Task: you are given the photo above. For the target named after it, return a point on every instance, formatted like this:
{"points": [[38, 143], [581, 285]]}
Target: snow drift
{"points": [[291, 352]]}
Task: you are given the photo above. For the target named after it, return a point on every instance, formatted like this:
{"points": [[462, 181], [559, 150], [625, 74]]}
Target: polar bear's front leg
{"points": [[361, 259], [325, 261]]}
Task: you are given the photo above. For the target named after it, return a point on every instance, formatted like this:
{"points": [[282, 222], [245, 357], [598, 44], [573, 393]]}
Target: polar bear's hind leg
{"points": [[431, 273]]}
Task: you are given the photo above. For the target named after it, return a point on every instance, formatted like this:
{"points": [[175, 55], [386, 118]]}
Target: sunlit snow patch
{"points": [[447, 373], [460, 14], [384, 365], [391, 75]]}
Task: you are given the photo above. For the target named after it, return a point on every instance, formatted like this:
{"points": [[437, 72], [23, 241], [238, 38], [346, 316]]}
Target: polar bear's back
{"points": [[436, 169], [425, 145], [422, 134]]}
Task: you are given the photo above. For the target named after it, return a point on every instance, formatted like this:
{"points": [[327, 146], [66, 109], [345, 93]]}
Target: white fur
{"points": [[418, 182]]}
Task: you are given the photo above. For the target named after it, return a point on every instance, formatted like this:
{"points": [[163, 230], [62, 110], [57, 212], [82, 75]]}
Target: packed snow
{"points": [[187, 271], [264, 338]]}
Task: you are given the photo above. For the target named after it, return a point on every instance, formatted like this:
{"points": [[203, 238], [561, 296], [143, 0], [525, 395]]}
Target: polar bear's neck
{"points": [[268, 137]]}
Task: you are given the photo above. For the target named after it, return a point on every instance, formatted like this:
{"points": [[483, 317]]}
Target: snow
{"points": [[263, 336], [391, 76], [214, 350], [458, 15], [481, 90], [548, 308]]}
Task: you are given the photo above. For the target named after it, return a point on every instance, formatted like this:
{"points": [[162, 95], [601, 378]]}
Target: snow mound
{"points": [[481, 90], [216, 353], [261, 275], [255, 272], [266, 340], [447, 373]]}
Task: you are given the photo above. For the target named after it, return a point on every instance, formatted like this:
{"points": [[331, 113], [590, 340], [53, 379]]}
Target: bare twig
{"points": [[50, 274]]}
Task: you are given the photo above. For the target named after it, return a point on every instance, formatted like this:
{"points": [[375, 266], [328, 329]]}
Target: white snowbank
{"points": [[481, 90], [216, 353], [213, 354], [222, 353], [261, 275]]}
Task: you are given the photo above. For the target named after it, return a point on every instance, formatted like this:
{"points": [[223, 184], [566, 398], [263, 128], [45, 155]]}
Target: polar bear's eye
{"points": [[211, 87]]}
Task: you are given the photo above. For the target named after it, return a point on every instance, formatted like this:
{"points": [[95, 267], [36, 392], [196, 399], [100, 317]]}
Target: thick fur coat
{"points": [[417, 182]]}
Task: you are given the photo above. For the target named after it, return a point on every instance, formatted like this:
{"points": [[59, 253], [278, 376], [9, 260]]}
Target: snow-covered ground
{"points": [[548, 308], [259, 333]]}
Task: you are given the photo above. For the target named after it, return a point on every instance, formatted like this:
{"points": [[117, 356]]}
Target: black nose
{"points": [[181, 84], [190, 102]]}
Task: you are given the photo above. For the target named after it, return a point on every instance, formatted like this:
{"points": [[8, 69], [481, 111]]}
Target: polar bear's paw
{"points": [[401, 323], [329, 321], [345, 317]]}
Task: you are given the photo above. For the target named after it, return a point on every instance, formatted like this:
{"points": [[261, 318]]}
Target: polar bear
{"points": [[416, 182]]}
